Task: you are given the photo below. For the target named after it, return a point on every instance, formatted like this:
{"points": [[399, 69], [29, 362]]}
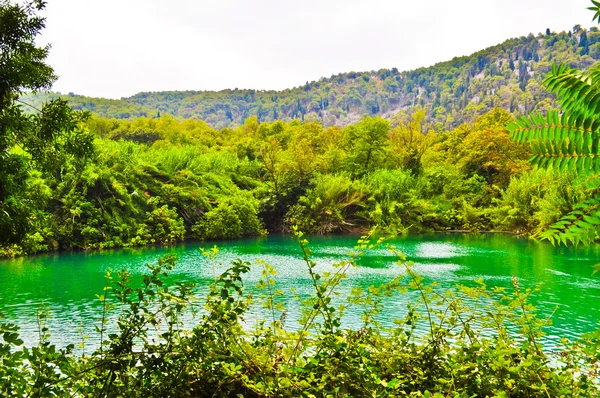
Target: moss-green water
{"points": [[68, 283]]}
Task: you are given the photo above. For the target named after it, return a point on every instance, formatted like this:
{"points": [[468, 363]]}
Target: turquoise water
{"points": [[68, 283]]}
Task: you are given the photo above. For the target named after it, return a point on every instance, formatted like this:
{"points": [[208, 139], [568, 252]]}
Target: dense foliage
{"points": [[161, 181], [568, 141], [470, 341], [506, 76], [46, 140]]}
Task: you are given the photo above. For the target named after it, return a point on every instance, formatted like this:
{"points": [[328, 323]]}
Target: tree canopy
{"points": [[44, 139], [451, 93]]}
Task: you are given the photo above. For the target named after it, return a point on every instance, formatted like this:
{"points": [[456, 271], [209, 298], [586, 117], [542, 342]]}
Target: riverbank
{"points": [[16, 251]]}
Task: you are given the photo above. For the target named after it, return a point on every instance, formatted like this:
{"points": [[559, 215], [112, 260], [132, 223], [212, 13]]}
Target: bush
{"points": [[331, 205], [233, 218], [163, 226], [392, 204], [535, 200]]}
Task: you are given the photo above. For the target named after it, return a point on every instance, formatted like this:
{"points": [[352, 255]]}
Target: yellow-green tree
{"points": [[366, 144]]}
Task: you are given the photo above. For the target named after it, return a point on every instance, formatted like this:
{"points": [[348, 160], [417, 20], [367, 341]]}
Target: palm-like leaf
{"points": [[579, 226], [569, 139], [596, 9], [575, 91]]}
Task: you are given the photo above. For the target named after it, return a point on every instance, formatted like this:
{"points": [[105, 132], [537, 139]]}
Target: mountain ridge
{"points": [[507, 75]]}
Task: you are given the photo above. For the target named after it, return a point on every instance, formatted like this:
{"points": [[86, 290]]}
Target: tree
{"points": [[583, 43], [583, 39], [366, 144], [569, 139], [46, 139], [409, 140], [274, 162]]}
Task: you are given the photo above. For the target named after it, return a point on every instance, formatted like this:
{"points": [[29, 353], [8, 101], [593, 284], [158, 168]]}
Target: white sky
{"points": [[116, 48]]}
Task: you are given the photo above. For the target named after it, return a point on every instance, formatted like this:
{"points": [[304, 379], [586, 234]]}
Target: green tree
{"points": [[45, 139], [409, 140], [366, 144]]}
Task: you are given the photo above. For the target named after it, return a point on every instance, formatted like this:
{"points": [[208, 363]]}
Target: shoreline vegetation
{"points": [[163, 181]]}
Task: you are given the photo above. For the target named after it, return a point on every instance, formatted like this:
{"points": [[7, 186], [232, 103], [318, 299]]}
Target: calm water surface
{"points": [[68, 283]]}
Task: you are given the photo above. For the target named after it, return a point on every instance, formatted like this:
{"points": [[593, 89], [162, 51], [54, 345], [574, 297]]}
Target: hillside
{"points": [[507, 76]]}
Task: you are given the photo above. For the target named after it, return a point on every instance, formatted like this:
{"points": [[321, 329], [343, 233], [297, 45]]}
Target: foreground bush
{"points": [[471, 341]]}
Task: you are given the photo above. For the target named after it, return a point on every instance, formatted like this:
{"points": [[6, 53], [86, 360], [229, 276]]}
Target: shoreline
{"points": [[211, 242]]}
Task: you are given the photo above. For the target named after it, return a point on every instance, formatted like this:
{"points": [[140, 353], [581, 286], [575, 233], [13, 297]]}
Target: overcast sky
{"points": [[116, 48]]}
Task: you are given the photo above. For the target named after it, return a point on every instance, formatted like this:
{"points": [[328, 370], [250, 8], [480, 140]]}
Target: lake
{"points": [[68, 283]]}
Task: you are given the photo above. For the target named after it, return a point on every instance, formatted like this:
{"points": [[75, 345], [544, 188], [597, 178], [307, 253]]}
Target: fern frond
{"points": [[579, 226], [575, 91], [567, 141], [554, 127], [591, 182], [596, 9]]}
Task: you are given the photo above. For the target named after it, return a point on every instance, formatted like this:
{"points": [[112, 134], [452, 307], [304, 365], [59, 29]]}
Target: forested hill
{"points": [[507, 76]]}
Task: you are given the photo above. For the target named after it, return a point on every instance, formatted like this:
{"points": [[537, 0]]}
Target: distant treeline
{"points": [[506, 76]]}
